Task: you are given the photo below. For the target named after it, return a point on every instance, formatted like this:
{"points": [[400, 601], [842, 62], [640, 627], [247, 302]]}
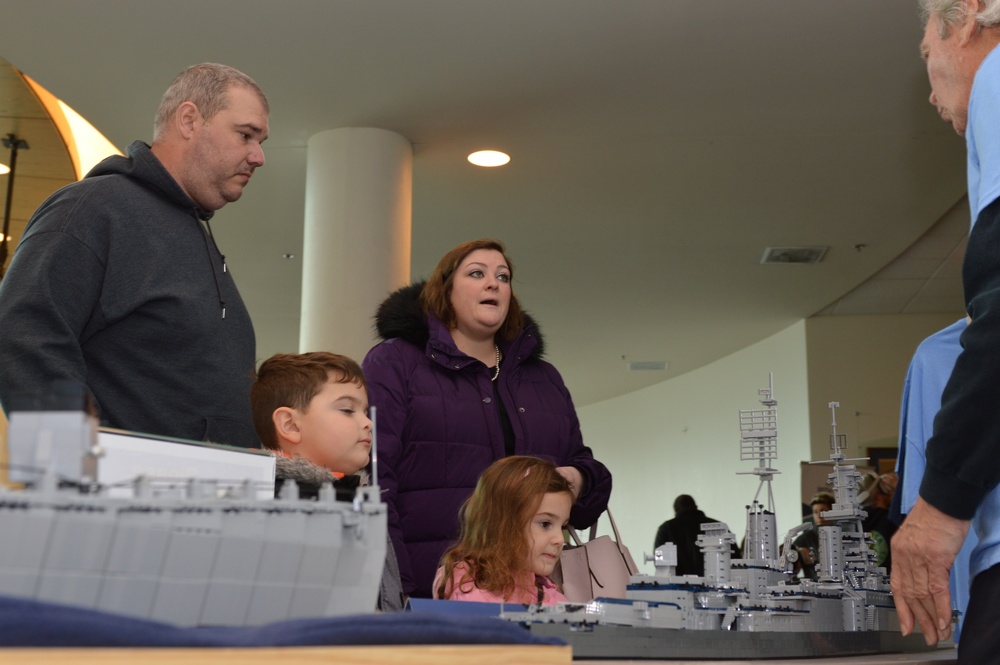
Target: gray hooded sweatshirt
{"points": [[118, 285]]}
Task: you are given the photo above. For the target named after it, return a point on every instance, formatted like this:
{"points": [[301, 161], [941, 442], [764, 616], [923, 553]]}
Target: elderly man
{"points": [[118, 284], [962, 470]]}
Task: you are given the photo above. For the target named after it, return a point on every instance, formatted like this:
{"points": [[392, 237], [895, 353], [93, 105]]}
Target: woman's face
{"points": [[480, 293]]}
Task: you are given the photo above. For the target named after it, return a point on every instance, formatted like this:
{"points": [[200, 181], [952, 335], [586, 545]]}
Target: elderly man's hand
{"points": [[922, 553]]}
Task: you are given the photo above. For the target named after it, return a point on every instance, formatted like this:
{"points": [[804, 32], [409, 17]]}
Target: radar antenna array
{"points": [[759, 439]]}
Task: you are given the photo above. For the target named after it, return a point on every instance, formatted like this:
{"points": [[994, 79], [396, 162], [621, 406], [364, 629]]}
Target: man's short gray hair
{"points": [[204, 85], [951, 13]]}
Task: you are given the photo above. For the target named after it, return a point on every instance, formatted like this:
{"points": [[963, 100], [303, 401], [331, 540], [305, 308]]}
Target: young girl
{"points": [[511, 536]]}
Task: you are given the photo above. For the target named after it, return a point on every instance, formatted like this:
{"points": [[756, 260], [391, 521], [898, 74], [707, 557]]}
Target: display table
{"points": [[35, 633], [402, 655]]}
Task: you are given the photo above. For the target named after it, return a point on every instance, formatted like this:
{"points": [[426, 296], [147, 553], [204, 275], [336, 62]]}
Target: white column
{"points": [[356, 245]]}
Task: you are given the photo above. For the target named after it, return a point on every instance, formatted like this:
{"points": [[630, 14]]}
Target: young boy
{"points": [[311, 409]]}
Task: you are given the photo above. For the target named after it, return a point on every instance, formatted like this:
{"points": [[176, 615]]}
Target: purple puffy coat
{"points": [[439, 428]]}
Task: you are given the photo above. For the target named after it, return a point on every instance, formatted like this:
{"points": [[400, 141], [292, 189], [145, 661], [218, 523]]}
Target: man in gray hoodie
{"points": [[118, 284]]}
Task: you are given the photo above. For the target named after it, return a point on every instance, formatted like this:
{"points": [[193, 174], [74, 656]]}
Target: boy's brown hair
{"points": [[292, 380]]}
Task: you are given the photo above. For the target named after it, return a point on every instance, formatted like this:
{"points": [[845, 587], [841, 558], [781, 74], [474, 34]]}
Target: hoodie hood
{"points": [[142, 166], [400, 316]]}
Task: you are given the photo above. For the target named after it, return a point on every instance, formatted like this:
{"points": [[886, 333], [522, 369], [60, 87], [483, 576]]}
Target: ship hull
{"points": [[596, 641]]}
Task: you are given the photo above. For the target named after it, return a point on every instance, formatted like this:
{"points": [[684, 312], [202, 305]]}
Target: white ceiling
{"points": [[659, 146]]}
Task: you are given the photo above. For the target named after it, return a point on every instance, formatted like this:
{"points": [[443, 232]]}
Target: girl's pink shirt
{"points": [[551, 594]]}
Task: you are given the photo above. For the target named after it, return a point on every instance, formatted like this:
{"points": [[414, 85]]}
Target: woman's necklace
{"points": [[497, 372]]}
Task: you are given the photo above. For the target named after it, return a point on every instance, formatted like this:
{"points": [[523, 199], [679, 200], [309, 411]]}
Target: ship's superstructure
{"points": [[186, 551], [753, 607]]}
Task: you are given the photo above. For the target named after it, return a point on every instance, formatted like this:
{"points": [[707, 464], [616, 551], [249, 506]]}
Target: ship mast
{"points": [[759, 443], [844, 551], [759, 440]]}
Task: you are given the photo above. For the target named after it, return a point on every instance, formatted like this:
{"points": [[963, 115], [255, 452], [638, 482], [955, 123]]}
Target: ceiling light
{"points": [[489, 158]]}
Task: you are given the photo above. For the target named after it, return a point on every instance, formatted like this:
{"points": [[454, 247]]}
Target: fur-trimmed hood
{"points": [[310, 477], [400, 316]]}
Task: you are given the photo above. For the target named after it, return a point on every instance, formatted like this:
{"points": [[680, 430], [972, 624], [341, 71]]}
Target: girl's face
{"points": [[545, 532]]}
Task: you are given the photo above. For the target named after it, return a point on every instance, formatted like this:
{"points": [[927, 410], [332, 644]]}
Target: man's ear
{"points": [[970, 26], [187, 118], [286, 425]]}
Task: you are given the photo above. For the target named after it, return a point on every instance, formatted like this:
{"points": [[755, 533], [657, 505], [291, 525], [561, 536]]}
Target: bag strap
{"points": [[593, 530], [614, 527]]}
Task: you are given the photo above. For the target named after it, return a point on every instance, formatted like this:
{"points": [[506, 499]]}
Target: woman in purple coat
{"points": [[458, 383]]}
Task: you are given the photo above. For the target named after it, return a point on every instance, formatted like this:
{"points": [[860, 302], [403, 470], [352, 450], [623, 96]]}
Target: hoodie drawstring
{"points": [[225, 268]]}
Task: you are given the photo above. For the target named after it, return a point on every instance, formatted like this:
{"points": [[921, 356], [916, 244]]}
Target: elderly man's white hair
{"points": [[951, 13]]}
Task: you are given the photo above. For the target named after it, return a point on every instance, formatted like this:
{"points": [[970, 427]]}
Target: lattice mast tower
{"points": [[759, 443]]}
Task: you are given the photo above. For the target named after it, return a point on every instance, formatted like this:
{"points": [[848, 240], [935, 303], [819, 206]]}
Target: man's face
{"points": [[226, 150], [949, 75]]}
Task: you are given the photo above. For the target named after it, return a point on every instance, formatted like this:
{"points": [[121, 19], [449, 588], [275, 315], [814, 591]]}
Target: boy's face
{"points": [[545, 534], [335, 429]]}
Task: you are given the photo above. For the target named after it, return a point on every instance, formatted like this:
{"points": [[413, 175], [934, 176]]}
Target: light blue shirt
{"points": [[925, 380], [982, 135]]}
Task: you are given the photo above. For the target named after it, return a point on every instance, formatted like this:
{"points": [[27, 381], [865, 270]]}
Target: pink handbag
{"points": [[600, 567]]}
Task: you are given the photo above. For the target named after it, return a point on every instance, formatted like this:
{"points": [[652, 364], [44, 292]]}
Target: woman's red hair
{"points": [[435, 298]]}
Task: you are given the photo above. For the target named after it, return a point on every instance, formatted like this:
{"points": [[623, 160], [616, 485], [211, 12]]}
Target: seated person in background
{"points": [[311, 409], [808, 542], [511, 538], [875, 496], [683, 531]]}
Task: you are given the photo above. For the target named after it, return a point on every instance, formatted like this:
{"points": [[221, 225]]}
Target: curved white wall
{"points": [[682, 437]]}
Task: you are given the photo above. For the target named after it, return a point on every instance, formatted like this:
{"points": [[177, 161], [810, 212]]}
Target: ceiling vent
{"points": [[648, 365], [809, 255]]}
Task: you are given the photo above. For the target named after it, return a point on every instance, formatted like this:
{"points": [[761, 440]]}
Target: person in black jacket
{"points": [[683, 531], [808, 541]]}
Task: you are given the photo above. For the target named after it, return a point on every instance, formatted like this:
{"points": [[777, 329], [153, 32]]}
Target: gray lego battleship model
{"points": [[188, 552], [754, 607]]}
